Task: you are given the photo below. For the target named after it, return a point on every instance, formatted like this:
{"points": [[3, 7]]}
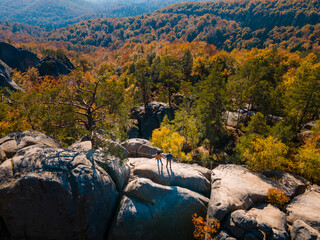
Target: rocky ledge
{"points": [[47, 192]]}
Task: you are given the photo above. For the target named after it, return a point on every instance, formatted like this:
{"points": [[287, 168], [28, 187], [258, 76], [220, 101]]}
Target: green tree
{"points": [[211, 104], [143, 81], [169, 75]]}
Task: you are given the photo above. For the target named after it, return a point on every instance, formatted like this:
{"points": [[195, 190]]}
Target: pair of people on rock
{"points": [[159, 156]]}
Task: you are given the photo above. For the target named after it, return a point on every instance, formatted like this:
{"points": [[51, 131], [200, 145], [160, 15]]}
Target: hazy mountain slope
{"points": [[294, 25], [57, 13]]}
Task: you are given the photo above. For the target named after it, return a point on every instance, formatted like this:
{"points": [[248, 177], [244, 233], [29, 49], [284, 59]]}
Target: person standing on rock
{"points": [[169, 159], [158, 156]]}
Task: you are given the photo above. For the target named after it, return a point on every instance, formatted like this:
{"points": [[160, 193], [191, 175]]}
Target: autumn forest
{"points": [[241, 80]]}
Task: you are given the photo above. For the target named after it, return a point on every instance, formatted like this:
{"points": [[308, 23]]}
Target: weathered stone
{"points": [[152, 211], [305, 207], [271, 221], [5, 77], [223, 235], [13, 142], [48, 193], [116, 148], [17, 58], [151, 117], [117, 168], [182, 175], [138, 147], [2, 155], [301, 230], [53, 67], [81, 146], [234, 187], [292, 184]]}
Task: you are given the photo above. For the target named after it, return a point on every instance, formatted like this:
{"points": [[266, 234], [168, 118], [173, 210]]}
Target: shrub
{"points": [[205, 229], [277, 197]]}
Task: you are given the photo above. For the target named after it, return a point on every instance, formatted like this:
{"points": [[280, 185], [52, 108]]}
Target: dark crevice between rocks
{"points": [[4, 233]]}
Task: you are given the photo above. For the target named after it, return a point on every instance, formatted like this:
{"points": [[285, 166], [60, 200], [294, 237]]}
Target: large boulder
{"points": [[153, 211], [17, 58], [117, 168], [293, 185], [81, 146], [13, 142], [264, 220], [48, 193], [53, 67], [301, 230], [305, 207], [138, 147], [182, 175], [150, 117], [235, 187], [5, 77]]}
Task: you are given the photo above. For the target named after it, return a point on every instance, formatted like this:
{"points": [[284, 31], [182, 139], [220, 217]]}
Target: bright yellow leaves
{"points": [[170, 141], [266, 153]]}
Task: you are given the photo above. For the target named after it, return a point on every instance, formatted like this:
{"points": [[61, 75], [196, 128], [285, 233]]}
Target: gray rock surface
{"points": [[5, 77], [182, 175], [53, 67], [114, 147], [150, 118], [3, 155], [235, 187], [301, 230], [271, 221], [48, 193], [138, 147], [81, 146], [305, 207], [264, 220], [223, 235], [118, 169], [153, 211], [17, 58], [14, 142], [292, 184]]}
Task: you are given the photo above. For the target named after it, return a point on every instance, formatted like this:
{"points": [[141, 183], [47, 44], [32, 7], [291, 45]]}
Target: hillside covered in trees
{"points": [[59, 13], [85, 108], [293, 25]]}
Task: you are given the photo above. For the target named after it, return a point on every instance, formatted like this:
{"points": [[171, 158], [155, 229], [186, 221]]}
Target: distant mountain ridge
{"points": [[59, 13], [229, 24]]}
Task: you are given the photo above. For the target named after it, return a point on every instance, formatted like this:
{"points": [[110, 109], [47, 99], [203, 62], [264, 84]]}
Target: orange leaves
{"points": [[205, 230], [277, 197]]}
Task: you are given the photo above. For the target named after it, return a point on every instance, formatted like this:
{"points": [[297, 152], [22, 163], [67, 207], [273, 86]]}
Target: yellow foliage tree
{"points": [[308, 156], [266, 154], [171, 141]]}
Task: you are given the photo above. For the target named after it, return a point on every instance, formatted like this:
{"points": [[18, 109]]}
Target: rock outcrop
{"points": [[234, 187], [48, 193], [18, 58], [157, 211], [182, 175], [54, 67], [138, 147], [305, 207], [149, 118], [14, 142], [81, 146], [301, 230], [5, 77]]}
